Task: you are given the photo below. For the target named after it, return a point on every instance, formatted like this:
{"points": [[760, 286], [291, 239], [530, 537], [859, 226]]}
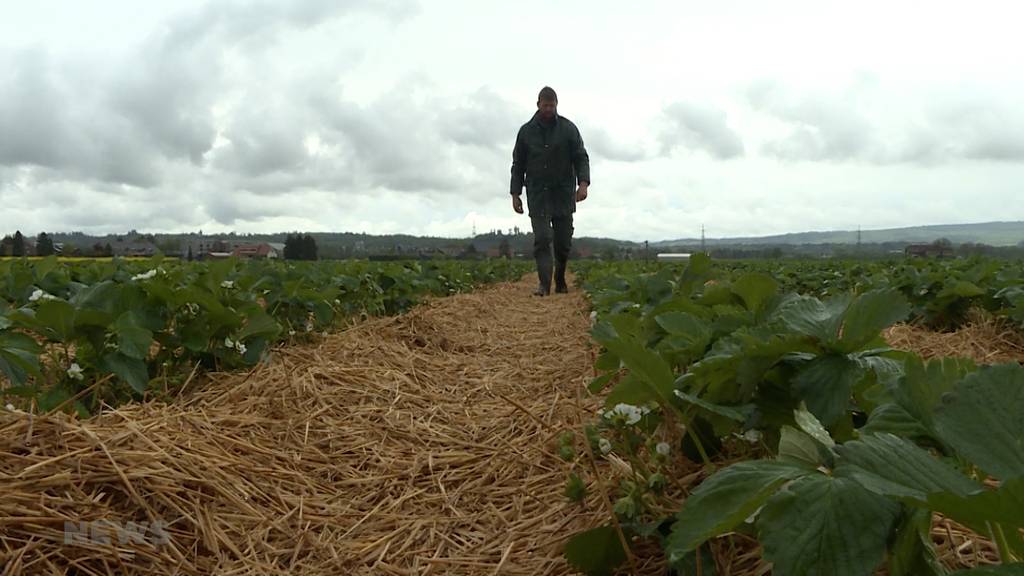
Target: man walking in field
{"points": [[550, 160]]}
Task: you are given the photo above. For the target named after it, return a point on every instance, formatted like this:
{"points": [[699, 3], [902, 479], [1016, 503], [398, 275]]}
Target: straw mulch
{"points": [[419, 444], [984, 339]]}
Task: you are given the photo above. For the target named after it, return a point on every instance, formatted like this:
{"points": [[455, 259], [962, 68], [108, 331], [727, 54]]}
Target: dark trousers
{"points": [[548, 231]]}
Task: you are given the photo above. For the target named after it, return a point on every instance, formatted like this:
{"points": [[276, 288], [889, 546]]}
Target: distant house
{"points": [[261, 250], [209, 247], [201, 246], [133, 247], [673, 256], [928, 250]]}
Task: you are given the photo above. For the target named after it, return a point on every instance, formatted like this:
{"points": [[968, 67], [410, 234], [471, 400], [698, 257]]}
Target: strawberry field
{"points": [[86, 334], [757, 407], [712, 418]]}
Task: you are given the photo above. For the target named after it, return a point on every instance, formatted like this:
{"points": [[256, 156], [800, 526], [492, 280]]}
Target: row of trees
{"points": [[504, 250], [296, 247], [300, 247], [15, 245]]}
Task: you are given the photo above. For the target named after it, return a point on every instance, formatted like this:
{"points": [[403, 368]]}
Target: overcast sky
{"points": [[395, 116]]}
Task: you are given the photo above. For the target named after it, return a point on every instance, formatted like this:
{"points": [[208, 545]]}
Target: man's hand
{"points": [[517, 204], [581, 192]]}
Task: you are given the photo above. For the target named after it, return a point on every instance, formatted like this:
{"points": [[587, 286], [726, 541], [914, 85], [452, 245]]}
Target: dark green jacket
{"points": [[549, 160]]}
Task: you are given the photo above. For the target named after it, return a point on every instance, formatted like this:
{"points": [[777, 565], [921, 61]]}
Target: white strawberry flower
{"points": [[145, 276], [752, 436], [229, 343], [240, 347], [75, 372], [663, 448], [628, 413], [227, 284], [39, 294]]}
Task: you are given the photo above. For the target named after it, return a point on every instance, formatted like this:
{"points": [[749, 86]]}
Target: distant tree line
{"points": [[44, 245], [13, 245], [18, 246], [300, 247]]}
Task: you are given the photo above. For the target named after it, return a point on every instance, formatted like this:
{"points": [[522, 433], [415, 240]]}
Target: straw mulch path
{"points": [[984, 339], [418, 444]]}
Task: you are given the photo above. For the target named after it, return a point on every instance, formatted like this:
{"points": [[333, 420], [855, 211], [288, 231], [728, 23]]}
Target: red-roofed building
{"points": [[261, 250]]}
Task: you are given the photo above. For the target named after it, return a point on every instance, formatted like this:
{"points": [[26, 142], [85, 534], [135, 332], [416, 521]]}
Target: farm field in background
{"points": [[73, 259]]}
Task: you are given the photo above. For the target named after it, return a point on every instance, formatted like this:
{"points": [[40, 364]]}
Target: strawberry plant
{"points": [[106, 332], [822, 507], [864, 443]]}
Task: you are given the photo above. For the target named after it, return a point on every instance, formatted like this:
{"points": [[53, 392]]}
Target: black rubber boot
{"points": [[543, 275], [560, 286]]}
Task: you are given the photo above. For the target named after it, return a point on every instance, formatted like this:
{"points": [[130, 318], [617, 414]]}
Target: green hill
{"points": [[992, 233]]}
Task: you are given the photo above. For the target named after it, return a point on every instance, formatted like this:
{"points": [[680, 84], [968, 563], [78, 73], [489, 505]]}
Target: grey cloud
{"points": [[261, 142], [119, 129], [600, 143], [1001, 147], [229, 209], [182, 75], [46, 202], [237, 21], [132, 121], [50, 119], [166, 98], [31, 116], [699, 127], [977, 129], [820, 128], [484, 119], [170, 96], [819, 142], [149, 121], [395, 141], [408, 140], [859, 124]]}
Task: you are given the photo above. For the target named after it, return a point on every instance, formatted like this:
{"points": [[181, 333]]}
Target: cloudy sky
{"points": [[400, 115]]}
